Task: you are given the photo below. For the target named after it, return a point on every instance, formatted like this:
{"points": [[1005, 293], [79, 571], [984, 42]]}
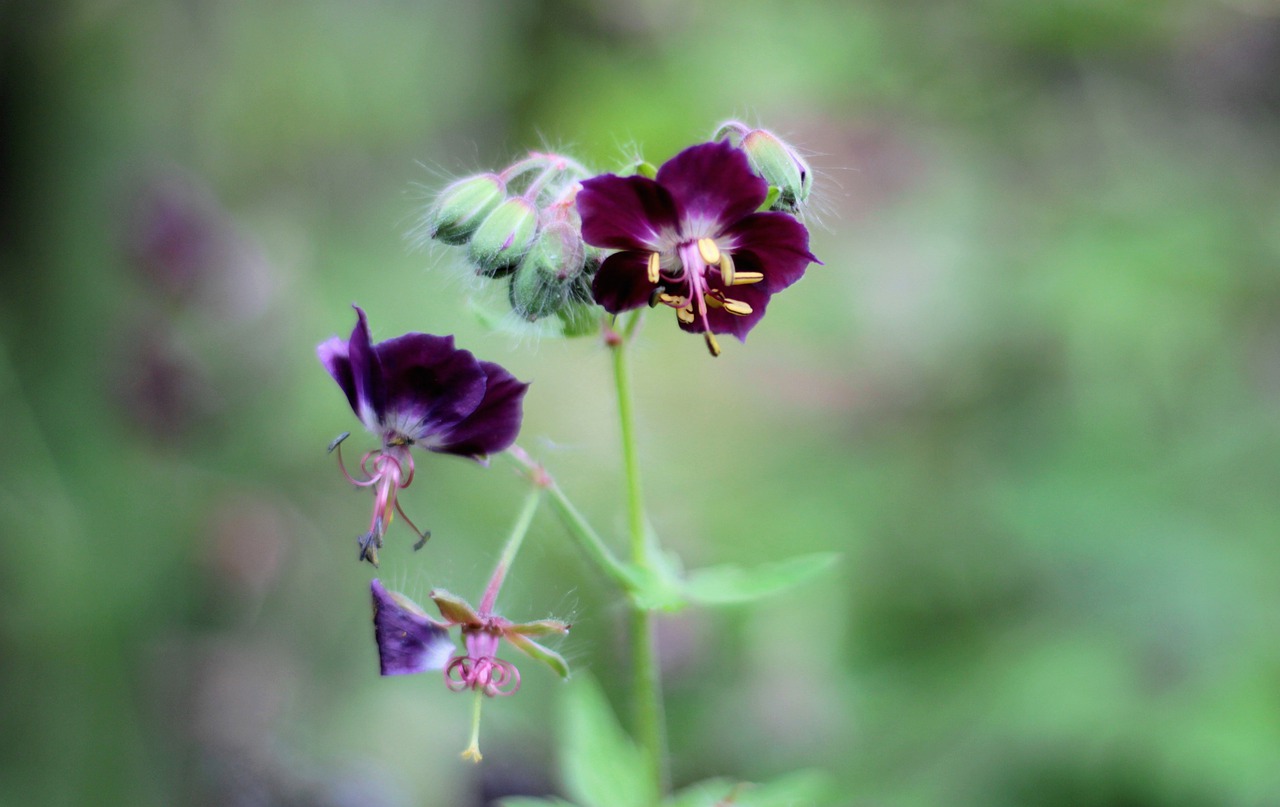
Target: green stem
{"points": [[648, 718], [589, 541], [518, 532]]}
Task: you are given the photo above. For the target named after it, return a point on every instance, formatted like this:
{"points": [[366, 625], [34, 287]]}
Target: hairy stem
{"points": [[648, 719], [518, 531], [588, 540]]}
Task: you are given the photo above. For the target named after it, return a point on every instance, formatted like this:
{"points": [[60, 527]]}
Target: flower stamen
{"points": [[655, 267], [726, 269], [709, 251], [712, 344], [744, 278], [737, 307]]}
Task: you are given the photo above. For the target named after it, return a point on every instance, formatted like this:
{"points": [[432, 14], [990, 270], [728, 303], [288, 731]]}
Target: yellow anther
{"points": [[712, 344], [737, 307], [726, 269], [685, 315], [673, 299], [743, 278], [712, 301], [655, 264], [709, 251]]}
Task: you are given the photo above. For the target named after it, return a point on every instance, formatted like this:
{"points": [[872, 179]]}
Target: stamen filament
{"points": [[342, 467]]}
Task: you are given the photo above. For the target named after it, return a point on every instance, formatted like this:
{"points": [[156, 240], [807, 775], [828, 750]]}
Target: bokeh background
{"points": [[1031, 398]]}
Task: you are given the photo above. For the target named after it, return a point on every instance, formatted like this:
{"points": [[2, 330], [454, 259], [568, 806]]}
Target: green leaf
{"points": [[774, 193], [730, 584], [599, 763], [656, 589], [799, 789], [707, 793], [810, 788], [658, 585]]}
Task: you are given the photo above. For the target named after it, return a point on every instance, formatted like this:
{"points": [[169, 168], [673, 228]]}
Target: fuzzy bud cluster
{"points": [[521, 226]]}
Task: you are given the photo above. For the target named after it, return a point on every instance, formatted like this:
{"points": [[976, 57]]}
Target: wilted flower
{"points": [[409, 641], [481, 669], [692, 239], [418, 390]]}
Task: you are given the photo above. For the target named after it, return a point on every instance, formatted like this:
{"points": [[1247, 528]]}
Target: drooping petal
{"points": [[626, 213], [366, 372], [776, 243], [493, 425], [712, 186], [431, 385], [622, 282], [408, 640], [333, 355], [721, 321]]}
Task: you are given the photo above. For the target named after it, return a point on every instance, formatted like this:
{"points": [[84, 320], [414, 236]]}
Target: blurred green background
{"points": [[1031, 398]]}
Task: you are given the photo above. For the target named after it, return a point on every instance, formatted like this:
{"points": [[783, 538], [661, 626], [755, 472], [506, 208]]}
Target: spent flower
{"points": [[417, 390], [693, 238]]}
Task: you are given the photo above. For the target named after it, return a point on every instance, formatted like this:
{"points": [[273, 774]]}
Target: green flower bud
{"points": [[544, 279], [504, 237], [462, 206], [781, 166]]}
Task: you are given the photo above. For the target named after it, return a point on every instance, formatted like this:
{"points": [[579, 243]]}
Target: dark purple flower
{"points": [[692, 239], [408, 640], [418, 390]]}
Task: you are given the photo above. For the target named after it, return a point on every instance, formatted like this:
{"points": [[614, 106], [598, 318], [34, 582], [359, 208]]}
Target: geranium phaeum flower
{"points": [[418, 390], [692, 239]]}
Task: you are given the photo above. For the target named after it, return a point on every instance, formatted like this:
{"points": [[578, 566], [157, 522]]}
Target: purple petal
{"points": [[625, 212], [494, 424], [712, 186], [622, 282], [722, 321], [431, 385], [333, 355], [408, 640], [774, 244], [370, 397]]}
